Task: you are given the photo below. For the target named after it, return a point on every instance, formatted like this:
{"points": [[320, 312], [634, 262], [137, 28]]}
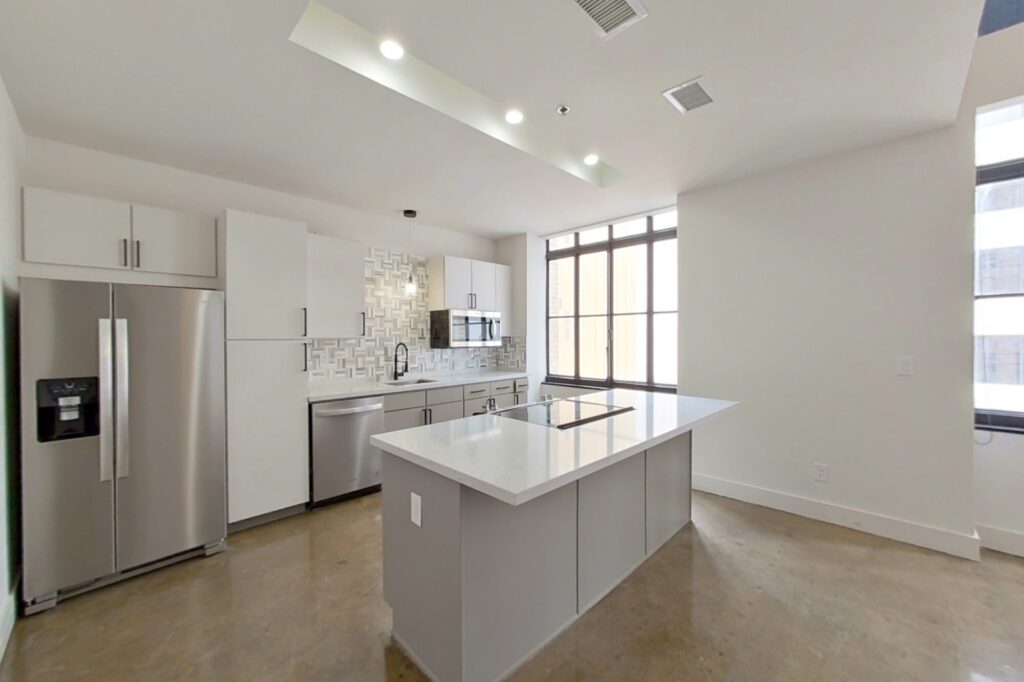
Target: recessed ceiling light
{"points": [[591, 159], [391, 49], [514, 116]]}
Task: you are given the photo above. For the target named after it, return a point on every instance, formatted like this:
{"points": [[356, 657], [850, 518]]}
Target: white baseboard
{"points": [[1002, 540], [941, 540], [8, 613]]}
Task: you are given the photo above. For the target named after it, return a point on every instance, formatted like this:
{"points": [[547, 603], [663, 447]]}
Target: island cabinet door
{"points": [[612, 540], [405, 419]]}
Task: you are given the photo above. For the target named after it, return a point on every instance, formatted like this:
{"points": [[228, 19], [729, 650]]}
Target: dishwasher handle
{"points": [[342, 411]]}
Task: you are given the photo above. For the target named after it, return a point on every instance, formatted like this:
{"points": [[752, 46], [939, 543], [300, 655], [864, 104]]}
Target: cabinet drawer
{"points": [[474, 391], [501, 387], [402, 401], [446, 412], [476, 406], [437, 396]]}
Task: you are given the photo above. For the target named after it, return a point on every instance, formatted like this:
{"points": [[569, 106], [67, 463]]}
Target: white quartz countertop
{"points": [[516, 461], [339, 389]]}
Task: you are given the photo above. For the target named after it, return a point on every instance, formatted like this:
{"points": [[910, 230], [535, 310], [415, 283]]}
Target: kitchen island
{"points": [[499, 531]]}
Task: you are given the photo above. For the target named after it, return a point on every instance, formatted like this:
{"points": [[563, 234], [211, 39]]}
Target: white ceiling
{"points": [[215, 86]]}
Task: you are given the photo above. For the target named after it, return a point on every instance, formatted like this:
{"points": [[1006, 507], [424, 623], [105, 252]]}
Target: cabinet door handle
{"points": [[124, 252], [305, 356], [364, 323], [479, 390], [305, 321], [138, 253]]}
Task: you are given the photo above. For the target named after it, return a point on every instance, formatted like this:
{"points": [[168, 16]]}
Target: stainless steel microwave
{"points": [[464, 329]]}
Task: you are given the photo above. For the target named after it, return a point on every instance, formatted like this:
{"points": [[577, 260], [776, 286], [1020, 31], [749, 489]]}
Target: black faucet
{"points": [[406, 369]]}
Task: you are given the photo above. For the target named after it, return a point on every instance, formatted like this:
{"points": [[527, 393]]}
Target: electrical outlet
{"points": [[415, 509], [905, 365], [821, 472]]}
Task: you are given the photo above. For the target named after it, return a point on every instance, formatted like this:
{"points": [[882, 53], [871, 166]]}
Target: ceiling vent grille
{"points": [[611, 16], [688, 96]]}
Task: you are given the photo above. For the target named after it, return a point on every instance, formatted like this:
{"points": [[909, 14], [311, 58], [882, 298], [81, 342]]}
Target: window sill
{"points": [[599, 386], [1002, 422]]}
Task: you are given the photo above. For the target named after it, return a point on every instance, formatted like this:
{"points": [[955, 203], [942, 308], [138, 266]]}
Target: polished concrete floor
{"points": [[745, 594]]}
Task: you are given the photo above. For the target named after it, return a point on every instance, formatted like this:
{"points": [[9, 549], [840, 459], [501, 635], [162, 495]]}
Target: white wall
{"points": [[525, 254], [997, 74], [798, 291], [800, 288], [11, 155], [86, 171], [999, 490]]}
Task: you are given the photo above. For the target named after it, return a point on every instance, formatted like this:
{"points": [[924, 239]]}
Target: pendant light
{"points": [[410, 283]]}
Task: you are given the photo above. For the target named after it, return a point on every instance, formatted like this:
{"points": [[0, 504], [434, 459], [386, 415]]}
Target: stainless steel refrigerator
{"points": [[123, 432]]}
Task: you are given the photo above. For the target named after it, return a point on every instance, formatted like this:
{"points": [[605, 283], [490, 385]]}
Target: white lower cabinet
{"points": [[521, 399], [268, 440], [405, 419], [504, 400], [446, 412]]}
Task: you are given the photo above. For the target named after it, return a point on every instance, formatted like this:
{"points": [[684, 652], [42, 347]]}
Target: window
{"points": [[612, 304], [999, 267]]}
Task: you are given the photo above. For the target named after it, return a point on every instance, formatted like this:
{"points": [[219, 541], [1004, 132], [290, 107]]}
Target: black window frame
{"points": [[649, 237], [998, 420]]}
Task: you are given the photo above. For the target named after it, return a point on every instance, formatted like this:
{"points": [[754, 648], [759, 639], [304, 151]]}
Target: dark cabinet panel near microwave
{"points": [[464, 329]]}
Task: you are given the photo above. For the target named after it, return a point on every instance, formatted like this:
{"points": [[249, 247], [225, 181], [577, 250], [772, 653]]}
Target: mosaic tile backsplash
{"points": [[393, 317]]}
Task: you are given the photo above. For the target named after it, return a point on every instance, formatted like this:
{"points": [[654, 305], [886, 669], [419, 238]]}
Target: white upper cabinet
{"points": [[173, 242], [265, 276], [70, 229], [458, 282], [462, 283], [503, 287], [484, 293], [336, 290]]}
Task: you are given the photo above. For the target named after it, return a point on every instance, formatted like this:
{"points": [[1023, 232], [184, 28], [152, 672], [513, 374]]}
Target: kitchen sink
{"points": [[410, 382]]}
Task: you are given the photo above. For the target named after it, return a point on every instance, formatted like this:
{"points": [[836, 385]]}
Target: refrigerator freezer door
{"points": [[67, 493], [172, 497]]}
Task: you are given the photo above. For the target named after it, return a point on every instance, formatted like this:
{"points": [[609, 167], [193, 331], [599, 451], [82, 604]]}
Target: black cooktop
{"points": [[563, 413]]}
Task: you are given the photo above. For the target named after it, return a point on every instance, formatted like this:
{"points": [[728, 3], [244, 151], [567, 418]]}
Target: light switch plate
{"points": [[905, 365], [821, 472], [415, 509]]}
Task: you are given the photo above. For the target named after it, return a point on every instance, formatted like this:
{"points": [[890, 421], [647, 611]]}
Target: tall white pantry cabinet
{"points": [[265, 292]]}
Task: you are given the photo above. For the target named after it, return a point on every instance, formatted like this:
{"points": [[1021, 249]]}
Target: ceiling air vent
{"points": [[688, 96], [611, 16]]}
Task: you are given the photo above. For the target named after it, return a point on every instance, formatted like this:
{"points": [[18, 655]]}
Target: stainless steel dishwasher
{"points": [[344, 462]]}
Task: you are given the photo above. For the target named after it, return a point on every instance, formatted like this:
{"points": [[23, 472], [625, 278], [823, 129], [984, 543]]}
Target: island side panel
{"points": [[669, 484], [422, 567], [519, 578], [611, 528]]}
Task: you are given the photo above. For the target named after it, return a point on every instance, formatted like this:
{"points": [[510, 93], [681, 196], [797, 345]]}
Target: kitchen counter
{"points": [[515, 461], [499, 533], [339, 389]]}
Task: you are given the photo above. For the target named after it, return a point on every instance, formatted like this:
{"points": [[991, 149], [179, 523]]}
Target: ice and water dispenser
{"points": [[67, 408]]}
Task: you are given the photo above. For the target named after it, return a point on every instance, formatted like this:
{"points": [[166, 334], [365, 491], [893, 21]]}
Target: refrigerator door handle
{"points": [[106, 401], [122, 445]]}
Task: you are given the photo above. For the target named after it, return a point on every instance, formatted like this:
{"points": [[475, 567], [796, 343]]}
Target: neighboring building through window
{"points": [[999, 266], [612, 310], [1000, 14]]}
